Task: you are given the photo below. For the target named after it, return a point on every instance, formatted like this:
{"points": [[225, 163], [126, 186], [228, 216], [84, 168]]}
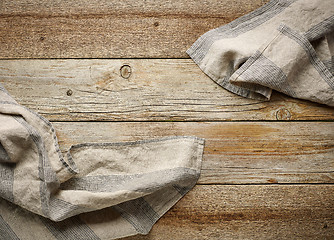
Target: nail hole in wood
{"points": [[69, 92]]}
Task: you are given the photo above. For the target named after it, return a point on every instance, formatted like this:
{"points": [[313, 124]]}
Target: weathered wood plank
{"points": [[235, 153], [110, 29], [156, 90], [249, 212]]}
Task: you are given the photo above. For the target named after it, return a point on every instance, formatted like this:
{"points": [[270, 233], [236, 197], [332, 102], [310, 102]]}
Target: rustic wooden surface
{"points": [[154, 90], [110, 28], [235, 153], [268, 167], [249, 212]]}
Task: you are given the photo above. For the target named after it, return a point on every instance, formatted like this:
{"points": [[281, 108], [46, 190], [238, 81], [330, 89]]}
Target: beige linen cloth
{"points": [[285, 45], [94, 191]]}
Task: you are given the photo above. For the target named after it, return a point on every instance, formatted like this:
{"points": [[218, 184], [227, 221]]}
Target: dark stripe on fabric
{"points": [[3, 154], [329, 65], [6, 232], [7, 181], [182, 190], [71, 167], [6, 175], [306, 45], [10, 100], [241, 25], [321, 29], [144, 182], [134, 142], [3, 89], [242, 91], [264, 72], [60, 209], [71, 228], [139, 214], [49, 181]]}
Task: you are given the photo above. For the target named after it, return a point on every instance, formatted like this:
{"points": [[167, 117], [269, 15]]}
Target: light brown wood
{"points": [[261, 178], [249, 212], [110, 29], [151, 90], [234, 153]]}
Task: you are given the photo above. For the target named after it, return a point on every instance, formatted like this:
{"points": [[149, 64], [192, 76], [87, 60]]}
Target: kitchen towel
{"points": [[95, 190], [285, 45]]}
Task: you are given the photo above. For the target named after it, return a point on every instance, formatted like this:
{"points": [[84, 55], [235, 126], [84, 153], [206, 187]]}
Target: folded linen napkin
{"points": [[285, 45], [94, 191]]}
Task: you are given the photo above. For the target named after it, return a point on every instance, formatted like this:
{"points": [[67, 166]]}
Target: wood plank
{"points": [[234, 153], [249, 212], [110, 28], [153, 90]]}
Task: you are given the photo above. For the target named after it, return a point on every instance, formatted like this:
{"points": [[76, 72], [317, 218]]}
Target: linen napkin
{"points": [[285, 45], [95, 190]]}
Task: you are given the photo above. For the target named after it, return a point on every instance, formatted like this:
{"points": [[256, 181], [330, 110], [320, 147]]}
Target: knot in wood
{"points": [[283, 114], [125, 71]]}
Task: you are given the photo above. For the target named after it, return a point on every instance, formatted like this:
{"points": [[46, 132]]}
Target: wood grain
{"points": [[234, 153], [249, 212], [152, 90], [111, 29], [261, 178]]}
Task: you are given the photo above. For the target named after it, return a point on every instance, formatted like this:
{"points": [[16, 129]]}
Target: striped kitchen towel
{"points": [[95, 190], [285, 45]]}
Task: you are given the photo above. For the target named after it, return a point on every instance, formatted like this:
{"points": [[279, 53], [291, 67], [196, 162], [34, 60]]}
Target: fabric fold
{"points": [[296, 71], [95, 190], [285, 45]]}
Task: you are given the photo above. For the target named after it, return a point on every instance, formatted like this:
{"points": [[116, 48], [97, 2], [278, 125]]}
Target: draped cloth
{"points": [[95, 190], [285, 45]]}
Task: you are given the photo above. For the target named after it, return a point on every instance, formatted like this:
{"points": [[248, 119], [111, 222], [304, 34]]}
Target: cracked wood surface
{"points": [[153, 90]]}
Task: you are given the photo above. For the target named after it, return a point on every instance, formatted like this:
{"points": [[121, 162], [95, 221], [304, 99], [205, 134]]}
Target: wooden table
{"points": [[110, 70]]}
